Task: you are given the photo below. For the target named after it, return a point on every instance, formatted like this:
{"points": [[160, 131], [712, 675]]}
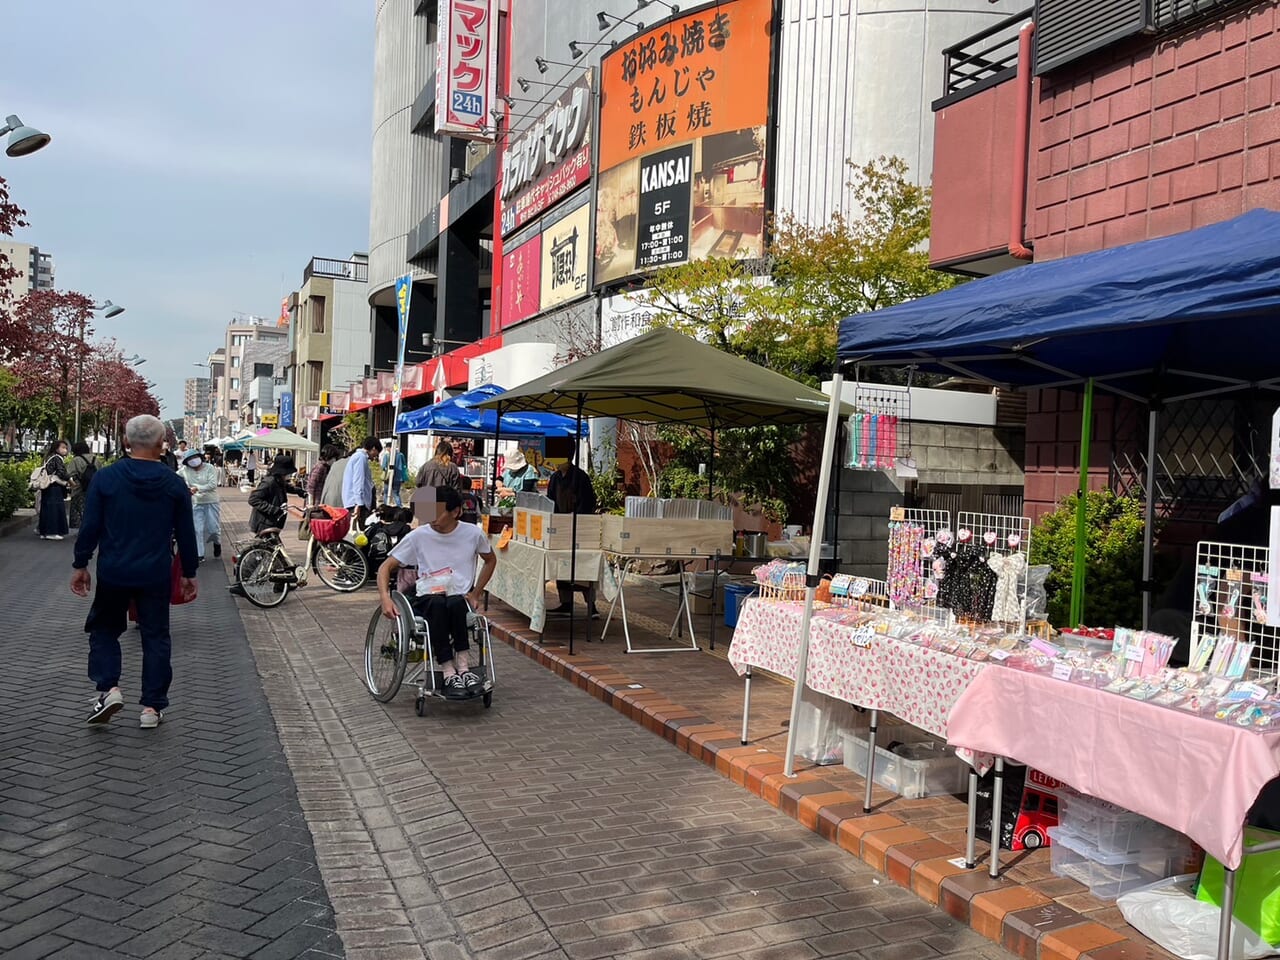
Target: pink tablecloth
{"points": [[912, 682], [1198, 776]]}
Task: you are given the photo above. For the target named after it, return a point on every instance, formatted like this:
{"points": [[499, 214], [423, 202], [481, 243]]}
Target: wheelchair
{"points": [[390, 647]]}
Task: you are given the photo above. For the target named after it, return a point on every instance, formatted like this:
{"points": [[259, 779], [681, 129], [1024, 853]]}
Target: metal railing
{"points": [[337, 269], [1166, 14], [982, 60]]}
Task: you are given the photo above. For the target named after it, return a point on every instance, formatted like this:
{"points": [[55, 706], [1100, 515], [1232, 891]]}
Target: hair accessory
{"points": [[1015, 540], [945, 537], [964, 536], [926, 548], [939, 568], [989, 538]]}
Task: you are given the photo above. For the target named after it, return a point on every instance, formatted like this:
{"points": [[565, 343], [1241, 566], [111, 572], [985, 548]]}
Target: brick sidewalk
{"points": [[178, 843], [549, 826]]}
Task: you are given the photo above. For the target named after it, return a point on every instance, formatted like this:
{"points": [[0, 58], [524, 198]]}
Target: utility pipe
{"points": [[1021, 145]]}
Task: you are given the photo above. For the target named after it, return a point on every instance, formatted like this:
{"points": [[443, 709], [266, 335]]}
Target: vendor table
{"points": [[624, 564], [520, 578], [1194, 774], [915, 683]]}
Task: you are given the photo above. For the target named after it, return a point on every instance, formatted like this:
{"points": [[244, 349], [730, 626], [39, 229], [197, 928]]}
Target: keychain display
{"points": [[873, 441]]}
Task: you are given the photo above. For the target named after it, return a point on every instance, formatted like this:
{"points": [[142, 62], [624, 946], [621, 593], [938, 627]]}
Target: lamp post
{"points": [[23, 140], [109, 310]]}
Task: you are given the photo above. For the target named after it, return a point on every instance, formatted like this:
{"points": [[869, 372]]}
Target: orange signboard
{"points": [[684, 113]]}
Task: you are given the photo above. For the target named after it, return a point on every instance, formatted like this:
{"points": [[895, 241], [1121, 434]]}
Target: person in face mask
{"points": [[201, 478]]}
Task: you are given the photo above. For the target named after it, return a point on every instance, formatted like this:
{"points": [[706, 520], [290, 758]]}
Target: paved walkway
{"points": [[178, 843]]}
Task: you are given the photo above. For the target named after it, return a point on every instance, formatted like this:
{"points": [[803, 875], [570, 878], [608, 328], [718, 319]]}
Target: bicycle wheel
{"points": [[386, 650], [341, 565], [257, 564]]}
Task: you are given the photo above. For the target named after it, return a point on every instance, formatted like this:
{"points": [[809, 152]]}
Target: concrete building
{"points": [[264, 375], [35, 267], [242, 331], [195, 409]]}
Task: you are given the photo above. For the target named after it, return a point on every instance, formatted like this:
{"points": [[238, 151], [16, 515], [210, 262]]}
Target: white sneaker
{"points": [[105, 706], [150, 718], [57, 536]]}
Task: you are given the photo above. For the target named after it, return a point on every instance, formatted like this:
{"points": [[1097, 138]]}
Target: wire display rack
{"points": [[879, 433], [912, 532], [1230, 635], [1006, 535]]}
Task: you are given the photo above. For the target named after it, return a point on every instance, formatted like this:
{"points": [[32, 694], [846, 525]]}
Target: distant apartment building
{"points": [[195, 409], [35, 267], [329, 333], [264, 370], [242, 331]]}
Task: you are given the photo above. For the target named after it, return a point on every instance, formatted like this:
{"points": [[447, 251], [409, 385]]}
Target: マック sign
{"points": [[467, 68]]}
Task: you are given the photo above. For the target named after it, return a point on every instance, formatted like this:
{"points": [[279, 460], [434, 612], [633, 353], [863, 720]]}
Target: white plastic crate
{"points": [[940, 773], [1109, 828], [1108, 875]]}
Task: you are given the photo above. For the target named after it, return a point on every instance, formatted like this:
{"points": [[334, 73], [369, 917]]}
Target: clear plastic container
{"points": [[1108, 875], [1109, 828], [939, 771]]}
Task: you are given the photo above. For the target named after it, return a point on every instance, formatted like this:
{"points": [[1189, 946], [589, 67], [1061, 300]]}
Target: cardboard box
{"points": [[660, 537], [557, 533]]}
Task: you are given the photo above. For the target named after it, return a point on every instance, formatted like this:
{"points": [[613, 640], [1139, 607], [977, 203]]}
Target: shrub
{"points": [[14, 493], [1113, 559]]}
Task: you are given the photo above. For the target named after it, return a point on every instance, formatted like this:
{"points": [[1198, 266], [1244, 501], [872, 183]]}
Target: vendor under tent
{"points": [[282, 439], [665, 377], [1177, 318], [461, 416]]}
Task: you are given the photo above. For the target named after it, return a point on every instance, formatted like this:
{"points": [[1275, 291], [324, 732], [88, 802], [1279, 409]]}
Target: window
{"points": [[235, 404], [235, 383], [317, 314], [315, 379], [235, 363], [239, 339]]}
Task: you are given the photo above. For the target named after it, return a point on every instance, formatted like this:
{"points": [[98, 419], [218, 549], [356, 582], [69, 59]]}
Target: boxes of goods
{"points": [[663, 537], [1108, 875], [558, 532], [531, 517], [910, 762], [1109, 828]]}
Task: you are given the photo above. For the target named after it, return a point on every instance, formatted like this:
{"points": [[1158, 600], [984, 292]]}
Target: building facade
{"points": [[241, 332], [195, 409], [35, 267]]}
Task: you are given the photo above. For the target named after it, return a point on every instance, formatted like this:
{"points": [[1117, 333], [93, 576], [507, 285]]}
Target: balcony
{"points": [[982, 60], [357, 270]]}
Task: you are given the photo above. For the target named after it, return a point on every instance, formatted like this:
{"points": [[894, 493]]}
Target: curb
{"points": [[1021, 920], [20, 522]]}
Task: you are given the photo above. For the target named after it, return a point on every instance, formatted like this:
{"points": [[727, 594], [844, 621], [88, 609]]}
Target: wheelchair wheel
{"points": [[254, 571], [386, 650], [341, 565], [420, 705], [488, 700]]}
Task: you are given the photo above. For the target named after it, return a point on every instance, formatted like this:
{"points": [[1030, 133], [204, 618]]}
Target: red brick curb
{"points": [[1022, 920]]}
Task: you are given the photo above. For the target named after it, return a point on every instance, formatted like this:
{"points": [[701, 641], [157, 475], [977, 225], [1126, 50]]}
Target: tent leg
{"points": [[497, 439], [1149, 517], [573, 552], [711, 465], [1078, 572], [815, 555]]}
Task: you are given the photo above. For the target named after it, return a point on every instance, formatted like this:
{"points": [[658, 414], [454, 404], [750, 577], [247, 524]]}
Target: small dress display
{"points": [[1006, 607]]}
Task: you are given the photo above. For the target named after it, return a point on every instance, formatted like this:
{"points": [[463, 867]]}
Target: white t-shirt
{"points": [[431, 551]]}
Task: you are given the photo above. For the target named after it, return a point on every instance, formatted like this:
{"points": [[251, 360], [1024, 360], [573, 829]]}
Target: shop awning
{"points": [[459, 416], [1183, 316], [666, 377]]}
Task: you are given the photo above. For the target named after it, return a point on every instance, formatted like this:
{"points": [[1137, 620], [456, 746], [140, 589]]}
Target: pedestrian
{"points": [[570, 490], [320, 473], [357, 483], [52, 522], [441, 471], [134, 511], [168, 458], [182, 452], [251, 466], [270, 498], [84, 464], [392, 461], [449, 549], [201, 478], [331, 493]]}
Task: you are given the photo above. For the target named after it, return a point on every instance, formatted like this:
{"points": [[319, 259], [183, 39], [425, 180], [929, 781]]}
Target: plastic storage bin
{"points": [[1109, 828], [935, 769], [734, 594], [1108, 875]]}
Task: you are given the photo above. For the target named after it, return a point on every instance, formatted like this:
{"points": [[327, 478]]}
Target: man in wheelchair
{"points": [[445, 554]]}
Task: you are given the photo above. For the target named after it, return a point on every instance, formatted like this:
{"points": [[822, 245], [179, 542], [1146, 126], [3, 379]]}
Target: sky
{"points": [[202, 154]]}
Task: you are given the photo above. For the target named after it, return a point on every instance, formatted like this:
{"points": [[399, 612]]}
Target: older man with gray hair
{"points": [[134, 510]]}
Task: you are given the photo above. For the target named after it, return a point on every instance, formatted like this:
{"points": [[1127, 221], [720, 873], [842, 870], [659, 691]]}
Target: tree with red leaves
{"points": [[52, 329], [11, 218]]}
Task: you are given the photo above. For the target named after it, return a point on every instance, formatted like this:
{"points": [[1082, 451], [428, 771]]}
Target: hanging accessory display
{"points": [[965, 535], [1014, 541], [989, 538], [1008, 569], [880, 429]]}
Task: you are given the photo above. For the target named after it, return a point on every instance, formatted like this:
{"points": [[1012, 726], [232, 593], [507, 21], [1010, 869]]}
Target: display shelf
{"points": [[1230, 604], [1011, 535]]}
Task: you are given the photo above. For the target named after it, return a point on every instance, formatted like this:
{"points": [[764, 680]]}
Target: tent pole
{"points": [[497, 439], [1078, 572], [815, 557], [1149, 515], [573, 552], [711, 464]]}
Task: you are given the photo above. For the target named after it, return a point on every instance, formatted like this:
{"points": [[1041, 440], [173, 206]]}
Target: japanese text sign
{"points": [[467, 68], [565, 251], [521, 272]]}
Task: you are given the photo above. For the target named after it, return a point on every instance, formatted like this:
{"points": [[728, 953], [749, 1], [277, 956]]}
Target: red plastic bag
{"points": [[175, 583]]}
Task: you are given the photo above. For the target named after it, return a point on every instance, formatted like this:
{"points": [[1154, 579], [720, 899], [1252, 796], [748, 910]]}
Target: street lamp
{"points": [[22, 139], [111, 310]]}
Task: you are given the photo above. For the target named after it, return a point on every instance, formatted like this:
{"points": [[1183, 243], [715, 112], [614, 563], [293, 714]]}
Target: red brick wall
{"points": [[1159, 138]]}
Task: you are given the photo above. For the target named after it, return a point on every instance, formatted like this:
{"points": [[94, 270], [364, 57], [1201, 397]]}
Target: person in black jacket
{"points": [[52, 500], [271, 496], [571, 491]]}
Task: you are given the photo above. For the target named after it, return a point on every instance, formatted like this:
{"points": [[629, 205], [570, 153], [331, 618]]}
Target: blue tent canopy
{"points": [[1174, 318], [458, 416]]}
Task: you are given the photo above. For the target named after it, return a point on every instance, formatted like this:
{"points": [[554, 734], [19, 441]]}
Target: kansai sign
{"points": [[550, 159], [467, 68]]}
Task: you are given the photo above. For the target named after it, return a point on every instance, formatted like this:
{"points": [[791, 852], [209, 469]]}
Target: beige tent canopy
{"points": [[282, 439]]}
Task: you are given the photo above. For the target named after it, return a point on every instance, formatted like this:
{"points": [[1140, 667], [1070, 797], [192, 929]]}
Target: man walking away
{"points": [[331, 494], [357, 483], [134, 510], [393, 460], [201, 478], [251, 467]]}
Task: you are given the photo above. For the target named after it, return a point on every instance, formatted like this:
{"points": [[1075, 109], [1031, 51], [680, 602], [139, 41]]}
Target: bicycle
{"points": [[265, 572]]}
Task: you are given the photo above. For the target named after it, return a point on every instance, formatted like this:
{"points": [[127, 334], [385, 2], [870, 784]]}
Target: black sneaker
{"points": [[595, 614], [217, 549], [455, 687], [105, 706], [471, 679]]}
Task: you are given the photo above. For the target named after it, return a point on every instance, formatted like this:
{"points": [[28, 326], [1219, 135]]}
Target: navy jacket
{"points": [[134, 509]]}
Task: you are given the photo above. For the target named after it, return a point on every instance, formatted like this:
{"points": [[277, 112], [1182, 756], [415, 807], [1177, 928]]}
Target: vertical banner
{"points": [[467, 68], [404, 293], [286, 410]]}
